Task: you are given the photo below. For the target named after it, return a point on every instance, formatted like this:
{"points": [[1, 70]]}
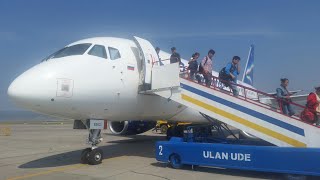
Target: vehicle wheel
{"points": [[85, 155], [175, 161], [95, 156], [163, 129], [295, 177]]}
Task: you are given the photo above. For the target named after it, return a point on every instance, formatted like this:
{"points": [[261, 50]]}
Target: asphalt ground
{"points": [[52, 151]]}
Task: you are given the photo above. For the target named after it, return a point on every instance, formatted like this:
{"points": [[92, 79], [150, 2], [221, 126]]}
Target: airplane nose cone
{"points": [[31, 88], [13, 92], [20, 91], [17, 89]]}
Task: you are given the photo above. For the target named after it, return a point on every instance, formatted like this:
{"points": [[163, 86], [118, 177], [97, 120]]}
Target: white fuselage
{"points": [[90, 87]]}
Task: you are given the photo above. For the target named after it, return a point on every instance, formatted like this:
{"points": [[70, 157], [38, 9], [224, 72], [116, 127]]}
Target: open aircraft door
{"points": [[149, 59]]}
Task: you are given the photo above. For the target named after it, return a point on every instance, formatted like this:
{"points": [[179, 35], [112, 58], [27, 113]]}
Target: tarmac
{"points": [[52, 151]]}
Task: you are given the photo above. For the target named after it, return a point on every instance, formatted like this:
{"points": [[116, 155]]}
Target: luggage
{"points": [[223, 75]]}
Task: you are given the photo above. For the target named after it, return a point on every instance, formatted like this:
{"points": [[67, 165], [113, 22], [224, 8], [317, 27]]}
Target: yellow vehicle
{"points": [[164, 125]]}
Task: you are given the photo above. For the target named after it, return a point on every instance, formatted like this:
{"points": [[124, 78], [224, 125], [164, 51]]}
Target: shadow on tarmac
{"points": [[139, 145]]}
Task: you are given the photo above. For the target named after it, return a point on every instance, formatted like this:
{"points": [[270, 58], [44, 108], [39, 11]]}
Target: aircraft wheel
{"points": [[175, 161], [164, 129], [85, 155], [95, 156]]}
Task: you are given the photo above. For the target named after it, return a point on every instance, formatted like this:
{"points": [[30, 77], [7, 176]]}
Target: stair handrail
{"points": [[278, 110]]}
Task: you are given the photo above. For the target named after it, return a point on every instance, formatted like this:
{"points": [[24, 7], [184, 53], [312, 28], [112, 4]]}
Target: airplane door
{"points": [[149, 59]]}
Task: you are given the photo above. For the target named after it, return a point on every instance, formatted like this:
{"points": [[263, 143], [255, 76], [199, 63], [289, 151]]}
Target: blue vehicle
{"points": [[199, 147]]}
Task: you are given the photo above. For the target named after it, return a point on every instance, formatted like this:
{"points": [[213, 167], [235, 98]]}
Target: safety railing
{"points": [[162, 60], [251, 95]]}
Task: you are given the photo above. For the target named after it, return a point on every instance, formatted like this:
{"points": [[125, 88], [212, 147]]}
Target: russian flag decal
{"points": [[131, 68]]}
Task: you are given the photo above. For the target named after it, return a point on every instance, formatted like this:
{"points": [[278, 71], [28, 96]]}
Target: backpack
{"points": [[224, 76], [201, 70]]}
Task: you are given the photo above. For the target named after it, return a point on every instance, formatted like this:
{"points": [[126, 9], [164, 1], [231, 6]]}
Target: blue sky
{"points": [[286, 33]]}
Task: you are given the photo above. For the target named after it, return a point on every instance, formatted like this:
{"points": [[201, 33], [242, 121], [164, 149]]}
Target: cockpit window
{"points": [[98, 50], [77, 49], [114, 53]]}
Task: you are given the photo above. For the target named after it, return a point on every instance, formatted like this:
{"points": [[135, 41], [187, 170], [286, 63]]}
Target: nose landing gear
{"points": [[93, 155]]}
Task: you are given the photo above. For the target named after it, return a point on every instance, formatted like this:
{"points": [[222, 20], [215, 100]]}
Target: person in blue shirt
{"points": [[232, 70], [283, 96]]}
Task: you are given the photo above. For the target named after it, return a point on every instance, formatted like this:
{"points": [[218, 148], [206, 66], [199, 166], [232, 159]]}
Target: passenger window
{"points": [[98, 50], [114, 53]]}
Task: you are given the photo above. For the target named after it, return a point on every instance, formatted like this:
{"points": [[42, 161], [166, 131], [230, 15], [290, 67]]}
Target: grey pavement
{"points": [[52, 151]]}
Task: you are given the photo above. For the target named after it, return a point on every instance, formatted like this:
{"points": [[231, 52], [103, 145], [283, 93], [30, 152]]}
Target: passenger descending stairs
{"points": [[258, 120]]}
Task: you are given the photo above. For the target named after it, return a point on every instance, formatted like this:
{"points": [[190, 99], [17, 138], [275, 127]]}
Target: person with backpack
{"points": [[311, 112], [206, 67], [193, 65], [284, 98], [229, 74]]}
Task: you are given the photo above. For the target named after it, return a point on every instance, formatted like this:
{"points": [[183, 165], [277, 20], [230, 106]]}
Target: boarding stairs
{"points": [[245, 112]]}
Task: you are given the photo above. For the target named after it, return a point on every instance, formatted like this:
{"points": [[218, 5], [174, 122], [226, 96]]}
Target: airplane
{"points": [[104, 78]]}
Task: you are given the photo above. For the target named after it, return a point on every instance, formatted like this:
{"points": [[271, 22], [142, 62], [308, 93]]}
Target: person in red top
{"points": [[311, 112]]}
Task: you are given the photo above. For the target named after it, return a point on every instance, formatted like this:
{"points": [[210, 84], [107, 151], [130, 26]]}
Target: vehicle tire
{"points": [[175, 161], [95, 156], [295, 177], [85, 155], [163, 129]]}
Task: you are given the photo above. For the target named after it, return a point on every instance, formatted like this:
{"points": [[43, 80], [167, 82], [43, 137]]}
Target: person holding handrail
{"points": [[175, 57], [229, 74], [206, 67], [311, 112], [193, 65], [158, 51], [284, 99]]}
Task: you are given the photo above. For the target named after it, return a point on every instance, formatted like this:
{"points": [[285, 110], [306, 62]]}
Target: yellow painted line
{"points": [[67, 168], [242, 121]]}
